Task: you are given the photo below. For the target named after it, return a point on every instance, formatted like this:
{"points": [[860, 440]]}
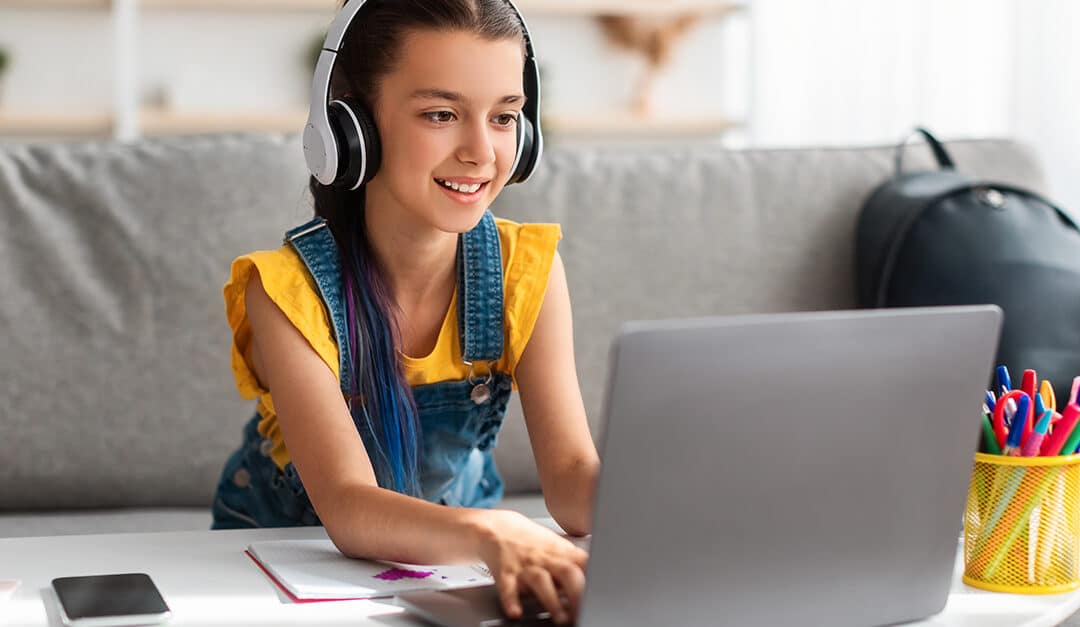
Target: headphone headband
{"points": [[322, 148]]}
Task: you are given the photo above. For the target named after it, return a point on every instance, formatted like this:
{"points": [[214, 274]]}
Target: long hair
{"points": [[381, 401]]}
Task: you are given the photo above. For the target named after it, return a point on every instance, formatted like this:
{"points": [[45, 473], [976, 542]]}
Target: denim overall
{"points": [[459, 420]]}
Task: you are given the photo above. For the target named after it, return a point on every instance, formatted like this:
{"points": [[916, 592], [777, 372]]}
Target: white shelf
{"points": [[169, 122], [529, 7], [631, 125]]}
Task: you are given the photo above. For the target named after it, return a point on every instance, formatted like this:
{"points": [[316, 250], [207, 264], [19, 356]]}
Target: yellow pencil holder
{"points": [[1022, 524]]}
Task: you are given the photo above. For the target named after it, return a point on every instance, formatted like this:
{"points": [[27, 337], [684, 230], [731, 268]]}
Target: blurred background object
{"points": [[738, 74]]}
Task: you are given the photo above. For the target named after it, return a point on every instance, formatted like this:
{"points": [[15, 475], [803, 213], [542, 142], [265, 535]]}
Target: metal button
{"points": [[480, 394], [265, 447], [241, 478]]}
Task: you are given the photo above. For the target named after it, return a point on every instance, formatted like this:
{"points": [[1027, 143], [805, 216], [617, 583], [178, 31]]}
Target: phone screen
{"points": [[98, 596]]}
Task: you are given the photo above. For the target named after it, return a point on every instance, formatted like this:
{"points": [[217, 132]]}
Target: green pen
{"points": [[989, 440]]}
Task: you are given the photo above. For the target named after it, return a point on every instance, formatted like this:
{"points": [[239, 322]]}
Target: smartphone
{"points": [[107, 600]]}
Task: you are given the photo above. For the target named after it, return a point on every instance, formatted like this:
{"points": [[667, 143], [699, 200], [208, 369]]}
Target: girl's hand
{"points": [[525, 557]]}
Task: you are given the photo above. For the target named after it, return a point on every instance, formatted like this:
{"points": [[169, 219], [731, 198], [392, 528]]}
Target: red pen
{"points": [[1029, 384], [1064, 428]]}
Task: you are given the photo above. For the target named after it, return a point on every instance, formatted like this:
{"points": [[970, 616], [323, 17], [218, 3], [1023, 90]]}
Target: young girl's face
{"points": [[447, 112]]}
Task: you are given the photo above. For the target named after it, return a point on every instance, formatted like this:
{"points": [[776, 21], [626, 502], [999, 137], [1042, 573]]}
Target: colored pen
{"points": [[1019, 423], [1062, 431], [1008, 401], [1046, 390], [1003, 380], [1034, 442], [990, 400], [989, 440], [1029, 384], [1074, 438], [1074, 392]]}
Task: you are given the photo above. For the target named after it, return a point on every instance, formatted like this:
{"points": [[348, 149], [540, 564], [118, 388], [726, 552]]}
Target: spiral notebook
{"points": [[315, 570]]}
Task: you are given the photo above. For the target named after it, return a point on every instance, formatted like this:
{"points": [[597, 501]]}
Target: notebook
{"points": [[315, 570]]}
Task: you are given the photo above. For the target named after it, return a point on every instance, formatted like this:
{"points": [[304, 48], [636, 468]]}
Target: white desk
{"points": [[207, 580]]}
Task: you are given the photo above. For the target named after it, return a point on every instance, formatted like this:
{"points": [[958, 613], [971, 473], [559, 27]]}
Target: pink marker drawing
{"points": [[396, 574]]}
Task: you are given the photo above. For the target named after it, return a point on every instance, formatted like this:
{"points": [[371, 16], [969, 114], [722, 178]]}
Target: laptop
{"points": [[778, 469]]}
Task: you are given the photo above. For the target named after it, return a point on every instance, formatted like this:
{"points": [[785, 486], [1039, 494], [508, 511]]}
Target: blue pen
{"points": [[1016, 430], [1003, 380], [1040, 406], [990, 402]]}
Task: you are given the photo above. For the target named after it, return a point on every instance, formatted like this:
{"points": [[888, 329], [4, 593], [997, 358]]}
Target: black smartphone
{"points": [[106, 600]]}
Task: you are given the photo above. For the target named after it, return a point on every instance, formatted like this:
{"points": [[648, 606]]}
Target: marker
{"points": [[989, 440], [1003, 380], [1074, 438], [1046, 391], [1029, 384], [1062, 431], [1019, 423], [1038, 434]]}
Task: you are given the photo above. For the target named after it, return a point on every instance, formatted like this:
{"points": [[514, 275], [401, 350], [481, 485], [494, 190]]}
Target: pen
{"points": [[1046, 391], [1034, 442], [1074, 392], [1029, 384], [1062, 431], [1019, 424], [989, 401], [1074, 438], [989, 440], [1003, 380], [1001, 431]]}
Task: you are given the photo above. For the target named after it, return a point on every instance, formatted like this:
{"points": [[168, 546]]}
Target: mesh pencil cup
{"points": [[1022, 524]]}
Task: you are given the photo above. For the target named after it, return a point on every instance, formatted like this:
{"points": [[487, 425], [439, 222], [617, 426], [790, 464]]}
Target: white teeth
{"points": [[465, 189]]}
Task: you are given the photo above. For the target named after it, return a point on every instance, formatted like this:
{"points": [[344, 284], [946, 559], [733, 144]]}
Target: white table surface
{"points": [[207, 579]]}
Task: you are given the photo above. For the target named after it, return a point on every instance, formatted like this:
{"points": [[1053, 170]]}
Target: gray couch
{"points": [[117, 404]]}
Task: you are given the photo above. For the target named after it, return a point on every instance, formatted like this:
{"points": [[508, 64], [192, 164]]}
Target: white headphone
{"points": [[341, 141]]}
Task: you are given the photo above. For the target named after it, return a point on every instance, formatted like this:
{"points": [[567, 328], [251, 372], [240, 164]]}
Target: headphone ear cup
{"points": [[359, 150], [527, 148]]}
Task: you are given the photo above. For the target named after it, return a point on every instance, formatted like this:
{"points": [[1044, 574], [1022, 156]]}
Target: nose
{"points": [[475, 146]]}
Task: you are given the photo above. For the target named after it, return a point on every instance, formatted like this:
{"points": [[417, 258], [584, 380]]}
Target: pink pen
{"points": [[1034, 441], [1073, 392]]}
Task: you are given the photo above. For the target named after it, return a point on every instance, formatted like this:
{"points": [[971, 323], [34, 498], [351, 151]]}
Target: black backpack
{"points": [[944, 238]]}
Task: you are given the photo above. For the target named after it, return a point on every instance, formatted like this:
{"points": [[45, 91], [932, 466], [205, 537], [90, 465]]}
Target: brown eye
{"points": [[506, 119], [439, 116]]}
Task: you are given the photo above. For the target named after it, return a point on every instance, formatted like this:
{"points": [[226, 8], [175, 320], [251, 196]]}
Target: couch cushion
{"points": [[115, 388]]}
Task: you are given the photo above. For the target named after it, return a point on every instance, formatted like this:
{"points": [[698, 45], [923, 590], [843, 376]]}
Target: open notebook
{"points": [[315, 570]]}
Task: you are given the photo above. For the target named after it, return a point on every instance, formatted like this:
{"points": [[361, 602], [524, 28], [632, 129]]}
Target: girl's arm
{"points": [[367, 521], [554, 412]]}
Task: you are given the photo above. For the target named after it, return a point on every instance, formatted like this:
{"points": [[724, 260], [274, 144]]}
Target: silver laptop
{"points": [[780, 469]]}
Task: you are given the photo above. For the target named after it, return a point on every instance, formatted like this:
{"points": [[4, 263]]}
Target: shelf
{"points": [[169, 122], [529, 7], [55, 4], [45, 124], [630, 125]]}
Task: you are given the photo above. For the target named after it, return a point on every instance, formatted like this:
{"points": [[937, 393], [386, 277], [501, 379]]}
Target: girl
{"points": [[383, 339]]}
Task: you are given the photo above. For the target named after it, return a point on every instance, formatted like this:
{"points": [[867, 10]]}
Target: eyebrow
{"points": [[442, 94]]}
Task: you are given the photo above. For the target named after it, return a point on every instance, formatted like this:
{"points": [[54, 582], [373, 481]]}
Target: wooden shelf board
{"points": [[32, 123]]}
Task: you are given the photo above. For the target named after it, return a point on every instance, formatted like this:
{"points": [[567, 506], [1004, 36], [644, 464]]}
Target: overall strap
{"points": [[480, 283], [315, 244]]}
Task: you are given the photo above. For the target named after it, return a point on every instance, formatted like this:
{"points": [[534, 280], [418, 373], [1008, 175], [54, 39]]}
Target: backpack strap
{"points": [[315, 244]]}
